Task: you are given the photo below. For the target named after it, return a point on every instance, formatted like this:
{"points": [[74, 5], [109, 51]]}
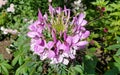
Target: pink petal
{"points": [[43, 56], [32, 27], [45, 16], [65, 35], [85, 35], [32, 34], [80, 18], [65, 10], [51, 54], [54, 36], [84, 22], [43, 43], [82, 28], [40, 15], [60, 59], [38, 49], [76, 38], [58, 10], [53, 61], [40, 29], [38, 42], [82, 43], [69, 40], [65, 61], [62, 47], [71, 56], [51, 10], [50, 44]]}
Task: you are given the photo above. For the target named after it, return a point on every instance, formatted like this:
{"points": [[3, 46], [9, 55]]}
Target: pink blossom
{"points": [[57, 38]]}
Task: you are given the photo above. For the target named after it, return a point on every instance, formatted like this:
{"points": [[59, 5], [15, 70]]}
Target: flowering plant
{"points": [[56, 37]]}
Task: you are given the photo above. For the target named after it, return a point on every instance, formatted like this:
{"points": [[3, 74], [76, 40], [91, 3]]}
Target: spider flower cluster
{"points": [[58, 36]]}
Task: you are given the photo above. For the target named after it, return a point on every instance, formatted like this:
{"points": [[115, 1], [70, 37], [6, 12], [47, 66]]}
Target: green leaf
{"points": [[117, 65], [0, 69], [90, 65], [1, 57], [7, 65], [112, 72], [63, 72], [71, 71], [79, 69], [32, 71], [15, 60], [118, 52], [91, 51], [112, 47], [21, 60], [115, 14], [117, 59], [5, 71], [118, 38], [20, 69]]}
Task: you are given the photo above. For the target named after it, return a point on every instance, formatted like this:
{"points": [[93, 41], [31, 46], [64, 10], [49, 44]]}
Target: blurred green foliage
{"points": [[101, 57]]}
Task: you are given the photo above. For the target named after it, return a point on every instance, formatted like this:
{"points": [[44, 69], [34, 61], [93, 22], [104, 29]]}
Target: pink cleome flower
{"points": [[57, 38]]}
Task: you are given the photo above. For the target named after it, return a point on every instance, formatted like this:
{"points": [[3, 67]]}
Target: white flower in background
{"points": [[78, 6], [6, 31], [25, 20], [2, 28], [2, 2], [8, 50], [11, 8], [50, 1], [31, 21]]}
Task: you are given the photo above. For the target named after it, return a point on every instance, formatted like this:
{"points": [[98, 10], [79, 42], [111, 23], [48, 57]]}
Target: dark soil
{"points": [[3, 45]]}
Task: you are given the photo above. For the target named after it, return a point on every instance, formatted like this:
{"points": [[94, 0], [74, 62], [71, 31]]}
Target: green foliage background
{"points": [[103, 44]]}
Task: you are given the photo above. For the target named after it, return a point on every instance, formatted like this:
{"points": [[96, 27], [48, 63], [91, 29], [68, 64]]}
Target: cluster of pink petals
{"points": [[58, 50]]}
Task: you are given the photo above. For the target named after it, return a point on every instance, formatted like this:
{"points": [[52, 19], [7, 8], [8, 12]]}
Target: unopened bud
{"points": [[105, 30], [103, 9], [92, 42]]}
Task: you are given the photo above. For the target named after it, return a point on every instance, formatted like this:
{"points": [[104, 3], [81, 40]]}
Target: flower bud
{"points": [[105, 30], [103, 9], [92, 42]]}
